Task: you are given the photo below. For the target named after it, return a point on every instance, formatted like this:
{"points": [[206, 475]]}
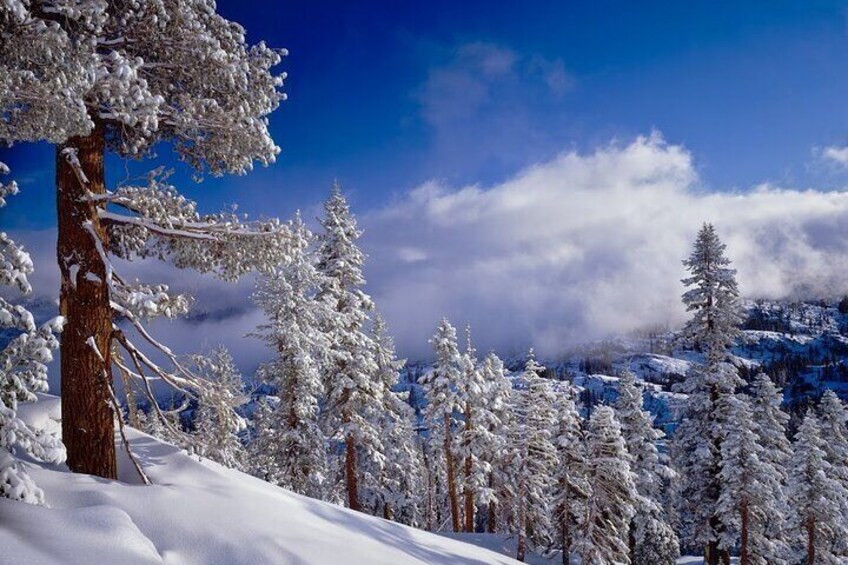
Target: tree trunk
{"points": [[351, 480], [811, 540], [492, 519], [522, 524], [469, 469], [87, 417], [565, 541], [451, 470], [743, 547], [631, 540]]}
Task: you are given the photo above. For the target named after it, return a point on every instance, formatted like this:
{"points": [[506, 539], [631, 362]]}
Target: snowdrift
{"points": [[198, 512]]}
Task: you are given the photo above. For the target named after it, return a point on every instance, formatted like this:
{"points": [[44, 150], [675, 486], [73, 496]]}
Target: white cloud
{"points": [[588, 245], [838, 155]]}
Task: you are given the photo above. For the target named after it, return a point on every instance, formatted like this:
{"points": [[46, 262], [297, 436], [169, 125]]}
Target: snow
{"points": [[198, 512]]}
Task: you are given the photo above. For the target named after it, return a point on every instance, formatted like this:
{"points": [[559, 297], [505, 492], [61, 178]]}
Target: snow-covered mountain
{"points": [[803, 346]]}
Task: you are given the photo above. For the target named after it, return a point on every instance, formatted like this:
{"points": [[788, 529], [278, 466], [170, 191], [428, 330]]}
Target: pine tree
{"points": [[571, 488], [815, 522], [477, 437], [91, 77], [613, 499], [833, 418], [353, 393], [751, 491], [770, 424], [295, 450], [533, 459], [640, 436], [217, 423], [442, 406], [23, 372], [713, 327], [400, 482], [499, 403]]}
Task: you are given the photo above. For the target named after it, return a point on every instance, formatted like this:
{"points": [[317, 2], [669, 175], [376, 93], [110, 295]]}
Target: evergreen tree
{"points": [[23, 372], [640, 436], [499, 395], [833, 418], [477, 437], [770, 423], [613, 497], [533, 459], [815, 522], [571, 488], [353, 392], [713, 300], [217, 423], [93, 77], [295, 450], [442, 406], [400, 482], [751, 492]]}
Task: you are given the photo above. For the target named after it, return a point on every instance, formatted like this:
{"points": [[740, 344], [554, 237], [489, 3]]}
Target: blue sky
{"points": [[537, 169], [386, 95]]}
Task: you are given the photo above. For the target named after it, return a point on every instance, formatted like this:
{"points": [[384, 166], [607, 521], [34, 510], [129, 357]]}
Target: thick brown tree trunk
{"points": [[451, 470], [351, 480], [87, 417]]}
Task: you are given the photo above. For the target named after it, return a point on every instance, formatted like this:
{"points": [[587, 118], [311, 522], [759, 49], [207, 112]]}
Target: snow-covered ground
{"points": [[198, 512]]}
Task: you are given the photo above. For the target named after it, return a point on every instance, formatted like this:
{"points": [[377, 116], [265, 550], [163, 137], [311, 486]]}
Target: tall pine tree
{"points": [[294, 451], [442, 408], [353, 400], [93, 77], [713, 300]]}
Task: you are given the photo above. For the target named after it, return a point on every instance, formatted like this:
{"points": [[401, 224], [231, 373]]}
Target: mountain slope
{"points": [[198, 512]]}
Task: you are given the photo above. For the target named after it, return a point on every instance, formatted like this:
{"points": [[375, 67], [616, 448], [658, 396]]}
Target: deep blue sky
{"points": [[386, 95]]}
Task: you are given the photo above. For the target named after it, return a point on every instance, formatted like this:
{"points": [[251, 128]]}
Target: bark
{"points": [[811, 541], [87, 417], [469, 469], [743, 548], [492, 520], [565, 542], [522, 524], [351, 480], [451, 470]]}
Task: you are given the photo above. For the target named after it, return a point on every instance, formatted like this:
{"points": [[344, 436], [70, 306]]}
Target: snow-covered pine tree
{"points": [[500, 406], [217, 424], [713, 300], [476, 438], [833, 418], [613, 496], [770, 424], [571, 487], [751, 491], [657, 540], [533, 459], [90, 77], [23, 371], [443, 404], [400, 482], [294, 448], [353, 392], [815, 523]]}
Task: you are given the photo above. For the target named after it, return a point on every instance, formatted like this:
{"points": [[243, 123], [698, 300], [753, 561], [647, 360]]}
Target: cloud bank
{"points": [[589, 245]]}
